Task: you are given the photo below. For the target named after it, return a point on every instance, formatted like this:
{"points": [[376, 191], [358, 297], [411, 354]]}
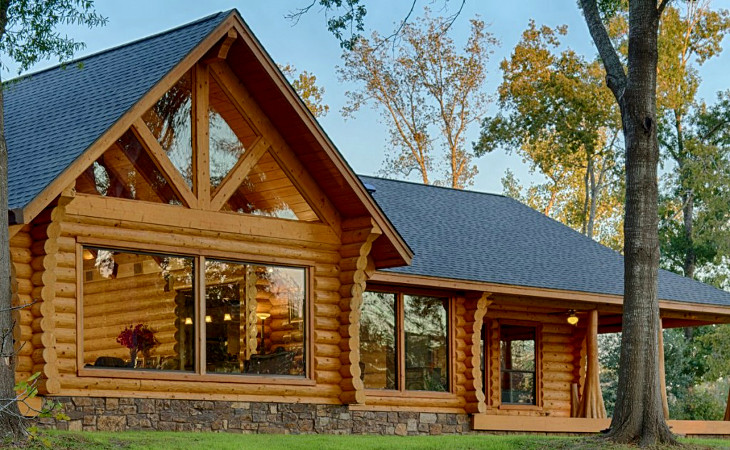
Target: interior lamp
{"points": [[188, 321], [263, 315], [572, 318], [208, 319], [227, 317]]}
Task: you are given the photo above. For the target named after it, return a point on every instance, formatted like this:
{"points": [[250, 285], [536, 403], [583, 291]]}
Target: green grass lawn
{"points": [[206, 441]]}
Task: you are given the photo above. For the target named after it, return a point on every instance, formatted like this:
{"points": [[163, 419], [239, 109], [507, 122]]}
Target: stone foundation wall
{"points": [[120, 414]]}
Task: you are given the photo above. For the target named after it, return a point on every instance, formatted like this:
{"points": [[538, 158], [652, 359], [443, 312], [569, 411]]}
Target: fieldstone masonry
{"points": [[119, 414]]}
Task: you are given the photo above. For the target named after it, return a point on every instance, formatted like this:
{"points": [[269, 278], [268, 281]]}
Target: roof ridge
{"points": [[416, 183], [117, 47]]}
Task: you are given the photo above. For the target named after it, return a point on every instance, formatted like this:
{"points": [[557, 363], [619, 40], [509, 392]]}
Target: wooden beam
{"points": [[143, 215], [164, 164], [235, 177], [669, 308], [308, 187], [114, 132], [201, 136], [221, 53]]}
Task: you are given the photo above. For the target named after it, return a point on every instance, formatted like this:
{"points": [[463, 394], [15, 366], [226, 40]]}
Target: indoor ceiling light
{"points": [[227, 317], [208, 319], [188, 321]]}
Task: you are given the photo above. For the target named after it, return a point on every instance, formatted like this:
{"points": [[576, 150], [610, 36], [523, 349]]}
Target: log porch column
{"points": [[662, 372], [591, 403]]}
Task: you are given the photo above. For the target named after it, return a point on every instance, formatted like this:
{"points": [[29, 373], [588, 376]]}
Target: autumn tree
{"points": [[558, 115], [428, 92], [305, 84], [27, 35]]}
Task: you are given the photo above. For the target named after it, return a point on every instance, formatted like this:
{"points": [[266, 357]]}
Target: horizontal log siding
{"points": [[323, 334], [21, 289]]}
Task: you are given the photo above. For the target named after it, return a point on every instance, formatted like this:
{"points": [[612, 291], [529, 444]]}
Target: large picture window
{"points": [[141, 311], [404, 342]]}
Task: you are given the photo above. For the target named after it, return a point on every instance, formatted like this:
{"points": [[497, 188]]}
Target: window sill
{"points": [[520, 407], [407, 394], [190, 376]]}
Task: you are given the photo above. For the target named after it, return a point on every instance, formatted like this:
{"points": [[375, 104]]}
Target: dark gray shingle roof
{"points": [[53, 116], [490, 238]]}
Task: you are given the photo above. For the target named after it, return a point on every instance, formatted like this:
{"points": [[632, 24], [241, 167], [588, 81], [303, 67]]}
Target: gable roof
{"points": [[490, 238], [59, 120], [54, 115]]}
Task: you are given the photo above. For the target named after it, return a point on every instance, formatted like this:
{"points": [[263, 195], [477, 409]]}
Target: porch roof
{"points": [[490, 238]]}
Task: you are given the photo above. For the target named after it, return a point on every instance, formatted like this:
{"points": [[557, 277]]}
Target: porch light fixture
{"points": [[572, 318]]}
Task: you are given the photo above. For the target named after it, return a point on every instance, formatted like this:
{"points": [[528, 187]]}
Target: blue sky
{"points": [[308, 46]]}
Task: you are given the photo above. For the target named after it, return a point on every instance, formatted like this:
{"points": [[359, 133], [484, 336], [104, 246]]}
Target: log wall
{"points": [[81, 225]]}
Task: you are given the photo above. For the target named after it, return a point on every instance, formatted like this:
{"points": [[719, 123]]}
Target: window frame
{"points": [[199, 373], [400, 363], [492, 377]]}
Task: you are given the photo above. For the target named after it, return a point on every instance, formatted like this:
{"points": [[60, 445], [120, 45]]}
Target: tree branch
{"points": [[661, 6], [615, 74]]}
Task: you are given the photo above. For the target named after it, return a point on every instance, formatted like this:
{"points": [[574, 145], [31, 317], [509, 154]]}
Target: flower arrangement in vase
{"points": [[138, 338]]}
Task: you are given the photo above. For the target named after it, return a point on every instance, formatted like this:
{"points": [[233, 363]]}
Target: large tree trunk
{"points": [[11, 423], [638, 414]]}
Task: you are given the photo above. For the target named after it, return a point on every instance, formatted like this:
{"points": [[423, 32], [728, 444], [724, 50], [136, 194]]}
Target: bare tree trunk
{"points": [[638, 414], [11, 423]]}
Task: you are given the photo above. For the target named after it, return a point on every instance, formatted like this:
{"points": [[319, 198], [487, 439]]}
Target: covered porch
{"points": [[587, 410]]}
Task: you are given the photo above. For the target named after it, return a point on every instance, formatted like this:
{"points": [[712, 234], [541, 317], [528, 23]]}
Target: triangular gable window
{"points": [[230, 134], [126, 170], [268, 191], [170, 121]]}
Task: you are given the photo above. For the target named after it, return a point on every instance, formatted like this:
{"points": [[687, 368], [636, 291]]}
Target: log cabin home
{"points": [[197, 255]]}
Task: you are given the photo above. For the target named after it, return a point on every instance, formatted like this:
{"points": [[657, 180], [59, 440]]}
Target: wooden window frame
{"points": [[489, 357], [199, 374], [400, 390]]}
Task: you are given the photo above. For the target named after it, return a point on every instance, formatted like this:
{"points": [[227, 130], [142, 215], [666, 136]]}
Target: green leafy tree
{"points": [[428, 92], [558, 115], [689, 35], [27, 35]]}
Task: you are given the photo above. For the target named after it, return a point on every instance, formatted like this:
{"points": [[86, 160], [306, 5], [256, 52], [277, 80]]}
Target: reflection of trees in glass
{"points": [[170, 120], [426, 343], [377, 340], [225, 147], [517, 364]]}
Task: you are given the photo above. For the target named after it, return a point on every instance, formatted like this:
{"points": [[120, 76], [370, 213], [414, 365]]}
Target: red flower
{"points": [[138, 337]]}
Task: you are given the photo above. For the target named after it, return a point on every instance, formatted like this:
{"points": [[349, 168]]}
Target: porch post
{"points": [[662, 372], [727, 408], [591, 403]]}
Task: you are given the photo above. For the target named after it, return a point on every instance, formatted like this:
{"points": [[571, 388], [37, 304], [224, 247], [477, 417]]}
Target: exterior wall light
{"points": [[572, 318]]}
